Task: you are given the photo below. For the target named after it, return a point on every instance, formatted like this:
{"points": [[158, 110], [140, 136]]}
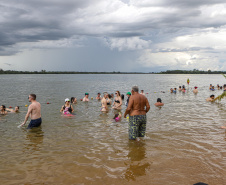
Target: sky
{"points": [[112, 35]]}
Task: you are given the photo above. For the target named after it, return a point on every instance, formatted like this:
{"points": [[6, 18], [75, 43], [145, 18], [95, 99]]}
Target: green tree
{"points": [[223, 95]]}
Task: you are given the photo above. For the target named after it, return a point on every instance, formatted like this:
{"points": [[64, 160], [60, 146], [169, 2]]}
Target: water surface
{"points": [[184, 143]]}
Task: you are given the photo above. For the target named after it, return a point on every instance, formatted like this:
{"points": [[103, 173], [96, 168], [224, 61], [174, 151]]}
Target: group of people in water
{"points": [[4, 110], [113, 101]]}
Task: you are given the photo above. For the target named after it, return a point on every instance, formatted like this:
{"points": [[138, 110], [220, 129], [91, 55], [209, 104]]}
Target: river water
{"points": [[184, 143]]}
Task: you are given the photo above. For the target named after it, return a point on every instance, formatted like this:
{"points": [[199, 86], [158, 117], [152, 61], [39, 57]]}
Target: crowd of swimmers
{"points": [[113, 100]]}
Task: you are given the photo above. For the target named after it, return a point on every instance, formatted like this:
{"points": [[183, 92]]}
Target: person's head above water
{"points": [[3, 107], [159, 100], [17, 108], [212, 96], [128, 93]]}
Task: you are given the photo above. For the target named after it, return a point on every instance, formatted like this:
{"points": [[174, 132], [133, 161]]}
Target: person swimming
{"points": [[73, 100], [211, 98], [86, 98], [98, 96], [117, 117], [159, 102], [3, 110], [15, 110], [67, 108], [195, 91]]}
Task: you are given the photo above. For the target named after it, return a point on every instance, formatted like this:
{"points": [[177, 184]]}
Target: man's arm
{"points": [[147, 105], [27, 115], [129, 108]]}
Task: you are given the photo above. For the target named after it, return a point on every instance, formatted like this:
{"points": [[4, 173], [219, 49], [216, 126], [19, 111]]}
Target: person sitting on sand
{"points": [[211, 98], [3, 110], [15, 110], [195, 91], [67, 108], [159, 102], [86, 98]]}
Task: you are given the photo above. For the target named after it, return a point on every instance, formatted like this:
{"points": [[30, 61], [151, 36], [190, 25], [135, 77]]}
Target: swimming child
{"points": [[117, 117]]}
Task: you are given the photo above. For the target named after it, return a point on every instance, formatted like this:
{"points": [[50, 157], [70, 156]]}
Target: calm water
{"points": [[184, 143]]}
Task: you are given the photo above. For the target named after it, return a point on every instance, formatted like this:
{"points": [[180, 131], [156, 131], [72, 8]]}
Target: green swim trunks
{"points": [[137, 126]]}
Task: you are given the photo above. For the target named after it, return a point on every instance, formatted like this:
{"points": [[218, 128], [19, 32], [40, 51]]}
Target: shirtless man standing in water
{"points": [[137, 108], [34, 111], [104, 106]]}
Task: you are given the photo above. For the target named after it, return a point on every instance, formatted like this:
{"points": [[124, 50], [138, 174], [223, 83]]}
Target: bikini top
{"points": [[69, 109], [117, 101]]}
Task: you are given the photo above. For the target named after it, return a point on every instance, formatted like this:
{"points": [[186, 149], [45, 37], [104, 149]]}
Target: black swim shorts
{"points": [[35, 123]]}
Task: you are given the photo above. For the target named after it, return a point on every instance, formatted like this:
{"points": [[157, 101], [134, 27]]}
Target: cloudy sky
{"points": [[112, 35]]}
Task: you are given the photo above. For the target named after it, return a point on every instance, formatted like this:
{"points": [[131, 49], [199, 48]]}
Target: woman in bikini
{"points": [[118, 101]]}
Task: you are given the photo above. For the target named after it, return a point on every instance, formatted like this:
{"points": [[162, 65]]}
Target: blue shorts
{"points": [[137, 126], [35, 123]]}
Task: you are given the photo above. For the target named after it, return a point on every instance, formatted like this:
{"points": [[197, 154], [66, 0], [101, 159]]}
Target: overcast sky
{"points": [[112, 35]]}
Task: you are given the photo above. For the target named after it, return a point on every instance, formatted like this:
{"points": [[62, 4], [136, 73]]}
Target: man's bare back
{"points": [[35, 110]]}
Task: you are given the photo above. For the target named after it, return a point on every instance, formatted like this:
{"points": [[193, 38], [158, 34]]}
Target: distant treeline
{"points": [[63, 72], [194, 71]]}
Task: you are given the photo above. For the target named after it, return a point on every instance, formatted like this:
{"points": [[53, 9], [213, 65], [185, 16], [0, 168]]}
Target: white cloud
{"points": [[134, 43]]}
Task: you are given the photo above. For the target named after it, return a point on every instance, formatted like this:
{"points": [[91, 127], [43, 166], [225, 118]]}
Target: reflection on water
{"points": [[34, 138], [184, 142], [138, 165]]}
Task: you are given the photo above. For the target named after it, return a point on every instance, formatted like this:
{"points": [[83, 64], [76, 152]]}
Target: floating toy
{"points": [[91, 98], [47, 103], [26, 105], [10, 106], [81, 99]]}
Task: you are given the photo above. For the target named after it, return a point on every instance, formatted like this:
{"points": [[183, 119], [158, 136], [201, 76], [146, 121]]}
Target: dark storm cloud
{"points": [[37, 20]]}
